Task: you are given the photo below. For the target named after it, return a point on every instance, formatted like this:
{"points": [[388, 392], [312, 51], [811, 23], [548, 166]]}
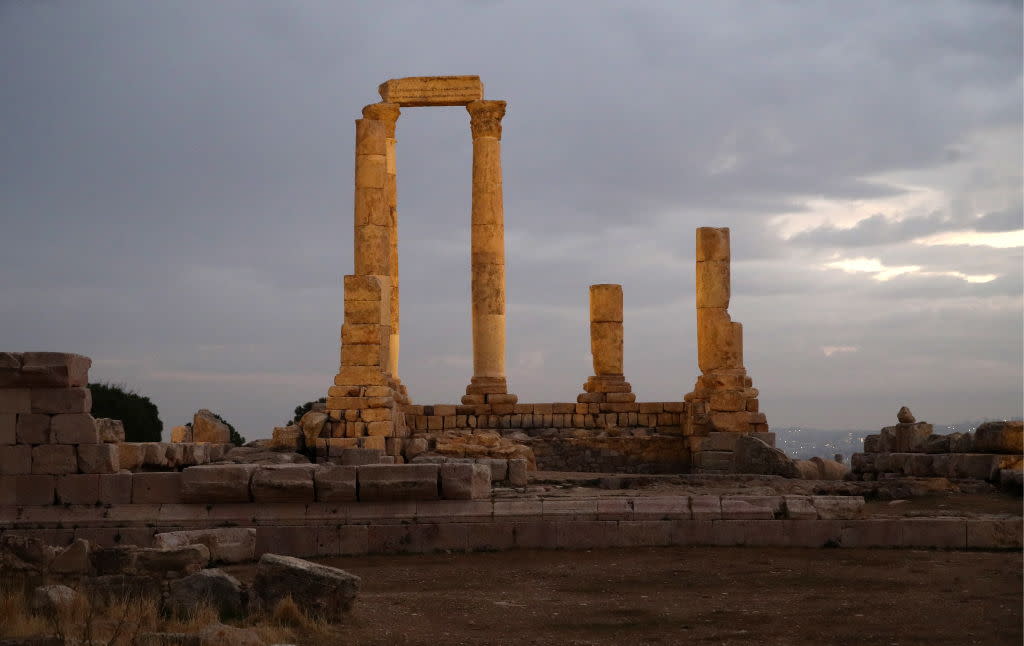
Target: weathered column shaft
{"points": [[488, 241], [388, 114], [719, 340], [372, 238], [606, 334]]}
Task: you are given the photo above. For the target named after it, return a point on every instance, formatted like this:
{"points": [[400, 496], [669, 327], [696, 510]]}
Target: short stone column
{"points": [[723, 400], [388, 113], [608, 384], [489, 383]]}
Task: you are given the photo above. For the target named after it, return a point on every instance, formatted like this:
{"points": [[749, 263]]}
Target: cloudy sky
{"points": [[176, 190]]}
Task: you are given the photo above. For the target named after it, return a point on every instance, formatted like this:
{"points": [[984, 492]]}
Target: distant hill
{"points": [[804, 443]]}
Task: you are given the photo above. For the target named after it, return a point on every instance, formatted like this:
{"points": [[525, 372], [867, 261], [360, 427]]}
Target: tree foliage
{"points": [[303, 409], [140, 416]]}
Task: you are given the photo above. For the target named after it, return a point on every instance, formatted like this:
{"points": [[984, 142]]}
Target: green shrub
{"points": [[140, 416], [303, 409]]}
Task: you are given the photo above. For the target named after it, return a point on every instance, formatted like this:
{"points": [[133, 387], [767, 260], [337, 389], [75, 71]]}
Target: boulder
{"points": [[319, 590], [226, 544], [73, 559], [905, 416], [999, 437], [755, 456], [207, 427], [830, 469], [312, 424], [51, 600], [181, 434], [214, 587]]}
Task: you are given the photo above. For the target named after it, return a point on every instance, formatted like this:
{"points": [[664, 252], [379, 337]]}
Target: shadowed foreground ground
{"points": [[693, 595]]}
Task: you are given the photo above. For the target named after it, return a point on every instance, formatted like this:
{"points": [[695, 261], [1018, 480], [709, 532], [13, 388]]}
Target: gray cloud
{"points": [[175, 193]]}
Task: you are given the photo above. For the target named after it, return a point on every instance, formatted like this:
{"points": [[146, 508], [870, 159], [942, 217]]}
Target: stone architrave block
{"points": [[335, 483], [15, 400], [465, 481], [432, 90], [800, 508], [9, 428], [157, 488], [217, 483], [78, 489], [283, 483], [33, 428], [74, 428], [98, 458], [398, 482], [226, 545], [54, 459], [750, 507], [56, 401], [706, 507]]}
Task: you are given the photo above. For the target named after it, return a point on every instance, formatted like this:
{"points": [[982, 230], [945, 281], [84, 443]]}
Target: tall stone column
{"points": [[608, 384], [372, 217], [489, 383], [388, 114]]}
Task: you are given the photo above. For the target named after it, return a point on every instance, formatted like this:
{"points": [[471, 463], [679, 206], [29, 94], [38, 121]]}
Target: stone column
{"points": [[388, 114], [489, 384], [606, 340], [719, 340], [372, 235]]}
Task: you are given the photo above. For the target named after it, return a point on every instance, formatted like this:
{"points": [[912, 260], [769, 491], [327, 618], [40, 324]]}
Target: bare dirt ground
{"points": [[686, 595]]}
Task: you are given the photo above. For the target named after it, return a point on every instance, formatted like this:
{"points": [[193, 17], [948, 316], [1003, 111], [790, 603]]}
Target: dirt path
{"points": [[688, 595]]}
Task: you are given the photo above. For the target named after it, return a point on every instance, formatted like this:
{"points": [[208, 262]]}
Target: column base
{"points": [[488, 390], [613, 389], [724, 401]]}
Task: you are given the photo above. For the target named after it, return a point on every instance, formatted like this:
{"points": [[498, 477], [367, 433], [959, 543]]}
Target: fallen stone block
{"points": [[320, 590], [398, 482], [207, 427], [215, 483], [177, 561], [73, 559], [283, 483], [51, 600], [214, 587], [335, 483], [753, 455], [462, 481], [226, 544]]}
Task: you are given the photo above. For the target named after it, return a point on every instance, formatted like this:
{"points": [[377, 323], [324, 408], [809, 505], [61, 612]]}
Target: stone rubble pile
{"points": [[993, 452]]}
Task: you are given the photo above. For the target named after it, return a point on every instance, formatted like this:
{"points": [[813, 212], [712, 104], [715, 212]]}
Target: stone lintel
{"points": [[418, 91]]}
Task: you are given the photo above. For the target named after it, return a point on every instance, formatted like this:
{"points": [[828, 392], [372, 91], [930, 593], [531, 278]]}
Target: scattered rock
{"points": [[52, 599], [215, 587], [74, 559], [318, 589], [172, 560], [755, 456], [226, 544], [207, 427], [905, 416]]}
